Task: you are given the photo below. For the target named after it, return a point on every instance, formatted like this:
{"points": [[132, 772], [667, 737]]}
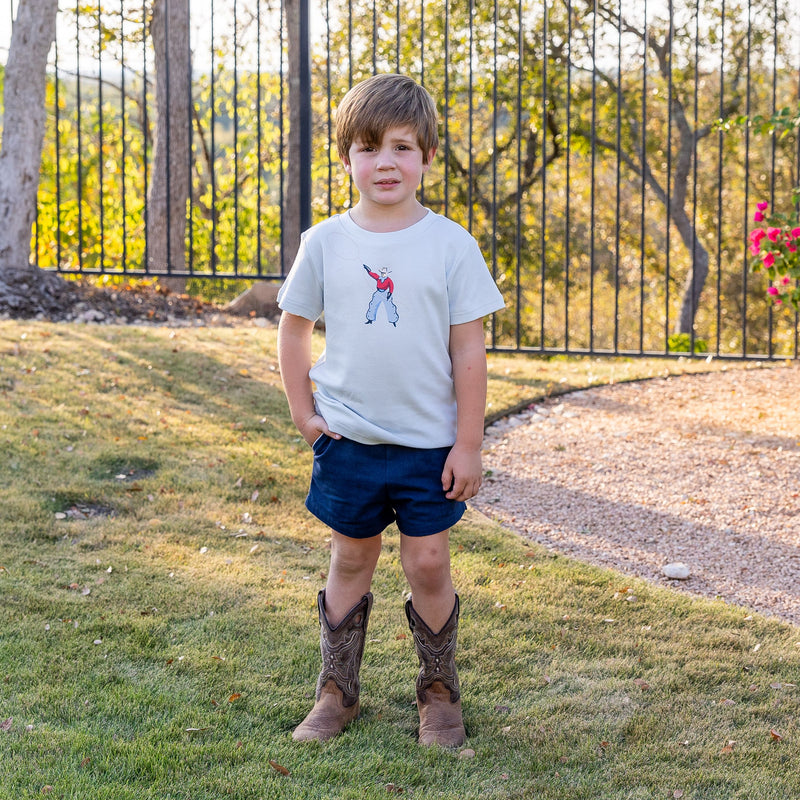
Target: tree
{"points": [[260, 298], [670, 40], [20, 159], [170, 184]]}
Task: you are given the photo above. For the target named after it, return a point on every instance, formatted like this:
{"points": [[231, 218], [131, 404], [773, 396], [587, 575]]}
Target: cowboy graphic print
{"points": [[382, 296]]}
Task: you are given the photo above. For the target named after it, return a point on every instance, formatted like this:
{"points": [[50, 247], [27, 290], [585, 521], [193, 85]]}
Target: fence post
{"points": [[305, 116]]}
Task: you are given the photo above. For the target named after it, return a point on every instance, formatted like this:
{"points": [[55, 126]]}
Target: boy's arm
{"points": [[294, 359], [463, 472]]}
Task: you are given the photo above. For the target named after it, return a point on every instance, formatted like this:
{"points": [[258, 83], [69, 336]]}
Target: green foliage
{"points": [[782, 122], [682, 343]]}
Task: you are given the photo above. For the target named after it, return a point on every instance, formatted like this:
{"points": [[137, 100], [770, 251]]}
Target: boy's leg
{"points": [[426, 563], [433, 618], [352, 565], [344, 608]]}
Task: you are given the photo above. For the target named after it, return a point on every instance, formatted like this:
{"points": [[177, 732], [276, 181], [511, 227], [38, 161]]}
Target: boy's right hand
{"points": [[314, 427]]}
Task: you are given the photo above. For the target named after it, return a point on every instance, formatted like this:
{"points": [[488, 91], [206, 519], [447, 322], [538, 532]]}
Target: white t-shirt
{"points": [[389, 301]]}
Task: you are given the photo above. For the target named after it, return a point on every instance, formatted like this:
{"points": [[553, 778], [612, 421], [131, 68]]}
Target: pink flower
{"points": [[763, 206], [792, 248], [796, 233], [774, 234], [757, 235], [769, 259], [755, 249], [758, 217], [786, 280], [773, 291]]}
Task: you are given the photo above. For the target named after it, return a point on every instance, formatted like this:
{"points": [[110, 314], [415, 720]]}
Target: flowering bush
{"points": [[776, 250]]}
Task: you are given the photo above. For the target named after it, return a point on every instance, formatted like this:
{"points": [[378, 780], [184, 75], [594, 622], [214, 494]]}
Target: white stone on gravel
{"points": [[677, 571]]}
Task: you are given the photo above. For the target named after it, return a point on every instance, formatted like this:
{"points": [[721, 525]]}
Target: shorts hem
{"points": [[350, 531], [445, 526]]}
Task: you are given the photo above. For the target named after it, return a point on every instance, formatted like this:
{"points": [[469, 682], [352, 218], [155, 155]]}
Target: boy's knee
{"points": [[354, 557], [426, 567]]}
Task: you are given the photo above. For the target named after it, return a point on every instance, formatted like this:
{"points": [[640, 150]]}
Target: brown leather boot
{"points": [[338, 685], [438, 693]]}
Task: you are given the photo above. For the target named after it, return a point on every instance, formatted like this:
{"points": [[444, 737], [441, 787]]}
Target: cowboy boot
{"points": [[338, 685], [438, 694]]}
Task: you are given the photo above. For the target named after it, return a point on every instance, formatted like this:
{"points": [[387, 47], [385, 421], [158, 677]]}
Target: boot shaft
{"points": [[436, 652], [342, 648]]}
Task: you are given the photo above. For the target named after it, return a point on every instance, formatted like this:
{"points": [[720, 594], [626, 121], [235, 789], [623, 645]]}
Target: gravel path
{"points": [[698, 469]]}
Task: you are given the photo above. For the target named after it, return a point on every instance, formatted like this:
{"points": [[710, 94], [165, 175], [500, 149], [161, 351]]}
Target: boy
{"points": [[396, 421]]}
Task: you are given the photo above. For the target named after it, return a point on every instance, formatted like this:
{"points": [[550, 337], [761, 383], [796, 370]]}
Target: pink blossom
{"points": [[796, 233], [772, 290], [757, 235], [792, 248], [786, 280], [774, 234], [755, 249], [763, 206], [769, 259], [758, 217]]}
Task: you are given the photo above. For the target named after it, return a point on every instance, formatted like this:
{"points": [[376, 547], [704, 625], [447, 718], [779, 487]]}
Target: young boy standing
{"points": [[396, 421]]}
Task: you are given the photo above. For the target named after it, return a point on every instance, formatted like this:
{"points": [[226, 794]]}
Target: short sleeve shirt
{"points": [[389, 300]]}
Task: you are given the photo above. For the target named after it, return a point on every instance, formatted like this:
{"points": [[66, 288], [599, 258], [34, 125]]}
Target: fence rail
{"points": [[581, 145]]}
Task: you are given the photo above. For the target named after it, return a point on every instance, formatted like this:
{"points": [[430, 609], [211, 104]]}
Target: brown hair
{"points": [[381, 102]]}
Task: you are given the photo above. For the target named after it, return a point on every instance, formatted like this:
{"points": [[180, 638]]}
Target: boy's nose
{"points": [[385, 159]]}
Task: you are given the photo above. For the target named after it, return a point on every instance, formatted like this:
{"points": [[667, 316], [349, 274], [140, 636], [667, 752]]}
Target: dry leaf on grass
{"points": [[278, 768]]}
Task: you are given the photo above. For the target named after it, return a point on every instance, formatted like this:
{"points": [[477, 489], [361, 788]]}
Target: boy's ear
{"points": [[347, 167], [427, 164]]}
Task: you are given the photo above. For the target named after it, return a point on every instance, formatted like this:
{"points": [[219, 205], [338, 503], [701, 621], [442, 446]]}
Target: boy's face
{"points": [[388, 174]]}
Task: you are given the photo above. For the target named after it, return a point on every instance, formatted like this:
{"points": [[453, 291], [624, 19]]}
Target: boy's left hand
{"points": [[463, 473]]}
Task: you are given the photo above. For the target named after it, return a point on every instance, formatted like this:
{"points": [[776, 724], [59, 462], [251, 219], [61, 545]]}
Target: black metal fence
{"points": [[581, 145]]}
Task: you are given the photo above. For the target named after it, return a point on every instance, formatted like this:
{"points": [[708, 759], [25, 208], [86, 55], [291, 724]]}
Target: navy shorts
{"points": [[358, 489]]}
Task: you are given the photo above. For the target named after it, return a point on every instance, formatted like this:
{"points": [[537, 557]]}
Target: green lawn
{"points": [[158, 575]]}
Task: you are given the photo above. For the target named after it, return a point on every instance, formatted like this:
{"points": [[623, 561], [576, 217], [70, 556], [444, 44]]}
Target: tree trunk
{"points": [[291, 207], [259, 299], [23, 132], [696, 279], [170, 185]]}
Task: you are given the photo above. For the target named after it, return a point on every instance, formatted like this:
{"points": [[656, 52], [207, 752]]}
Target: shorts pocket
{"points": [[321, 443]]}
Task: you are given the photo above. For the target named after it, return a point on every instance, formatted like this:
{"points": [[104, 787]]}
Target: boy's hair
{"points": [[381, 102]]}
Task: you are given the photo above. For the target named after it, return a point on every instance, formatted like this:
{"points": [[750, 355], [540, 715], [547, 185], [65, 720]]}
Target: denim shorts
{"points": [[359, 489]]}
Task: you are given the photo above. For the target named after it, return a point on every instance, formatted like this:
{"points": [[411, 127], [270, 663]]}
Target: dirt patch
{"points": [[37, 294]]}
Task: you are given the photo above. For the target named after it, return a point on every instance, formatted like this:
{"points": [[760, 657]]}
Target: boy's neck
{"points": [[381, 219]]}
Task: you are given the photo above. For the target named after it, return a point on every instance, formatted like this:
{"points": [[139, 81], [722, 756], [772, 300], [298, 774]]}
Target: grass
{"points": [[158, 575]]}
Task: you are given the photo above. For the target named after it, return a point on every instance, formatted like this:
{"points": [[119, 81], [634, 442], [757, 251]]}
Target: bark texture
{"points": [[259, 299], [169, 187], [23, 130]]}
